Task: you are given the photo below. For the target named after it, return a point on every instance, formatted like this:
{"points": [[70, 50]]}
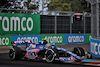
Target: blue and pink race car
{"points": [[46, 51]]}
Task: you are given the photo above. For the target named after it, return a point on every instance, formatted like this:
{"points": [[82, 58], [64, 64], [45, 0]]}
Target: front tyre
{"points": [[50, 55], [79, 51]]}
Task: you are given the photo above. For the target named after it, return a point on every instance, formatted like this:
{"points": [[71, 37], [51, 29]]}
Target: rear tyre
{"points": [[15, 53], [79, 51]]}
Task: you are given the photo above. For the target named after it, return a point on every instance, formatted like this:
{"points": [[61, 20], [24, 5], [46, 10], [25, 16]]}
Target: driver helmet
{"points": [[45, 42]]}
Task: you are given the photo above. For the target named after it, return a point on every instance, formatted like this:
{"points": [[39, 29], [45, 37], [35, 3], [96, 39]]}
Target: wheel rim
{"points": [[50, 56], [12, 53]]}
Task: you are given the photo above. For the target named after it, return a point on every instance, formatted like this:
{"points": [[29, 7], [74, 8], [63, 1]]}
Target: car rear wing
{"points": [[21, 42], [14, 43]]}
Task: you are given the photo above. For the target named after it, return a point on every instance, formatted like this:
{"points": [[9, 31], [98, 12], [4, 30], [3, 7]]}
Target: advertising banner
{"points": [[88, 38], [5, 40], [58, 39], [95, 47], [33, 38], [19, 23], [75, 38]]}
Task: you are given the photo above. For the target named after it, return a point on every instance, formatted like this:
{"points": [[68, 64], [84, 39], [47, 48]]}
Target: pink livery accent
{"points": [[73, 58], [32, 53]]}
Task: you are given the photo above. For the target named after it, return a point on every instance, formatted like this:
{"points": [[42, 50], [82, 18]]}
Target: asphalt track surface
{"points": [[6, 62]]}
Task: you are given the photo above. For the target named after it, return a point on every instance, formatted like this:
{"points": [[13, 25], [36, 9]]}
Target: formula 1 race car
{"points": [[46, 51]]}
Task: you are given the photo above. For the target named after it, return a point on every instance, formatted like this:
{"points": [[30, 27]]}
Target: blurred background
{"points": [[56, 16]]}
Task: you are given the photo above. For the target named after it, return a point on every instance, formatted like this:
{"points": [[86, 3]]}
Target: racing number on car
{"points": [[32, 54]]}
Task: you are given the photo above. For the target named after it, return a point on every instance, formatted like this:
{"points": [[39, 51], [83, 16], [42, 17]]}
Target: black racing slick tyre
{"points": [[50, 55], [79, 51], [15, 53]]}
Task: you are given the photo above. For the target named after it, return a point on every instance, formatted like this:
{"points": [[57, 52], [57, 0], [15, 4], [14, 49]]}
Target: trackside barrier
{"points": [[19, 23], [75, 38], [88, 36], [58, 39], [95, 47], [5, 40]]}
